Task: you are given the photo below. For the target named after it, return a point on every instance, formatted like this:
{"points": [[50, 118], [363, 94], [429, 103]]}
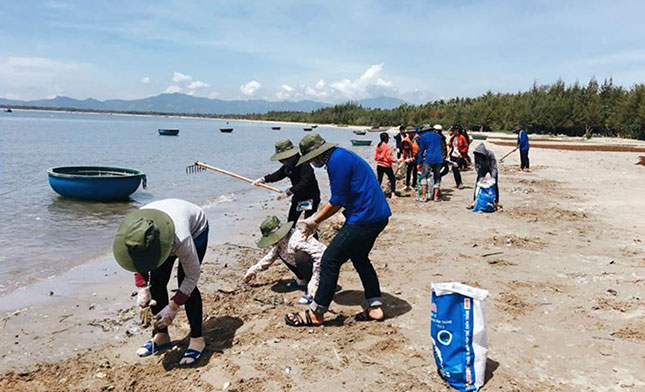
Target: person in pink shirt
{"points": [[384, 160]]}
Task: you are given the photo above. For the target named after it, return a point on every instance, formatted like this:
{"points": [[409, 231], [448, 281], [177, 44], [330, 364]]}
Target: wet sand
{"points": [[566, 309]]}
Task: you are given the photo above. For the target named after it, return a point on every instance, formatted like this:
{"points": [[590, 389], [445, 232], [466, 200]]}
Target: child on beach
{"points": [[384, 160], [300, 254]]}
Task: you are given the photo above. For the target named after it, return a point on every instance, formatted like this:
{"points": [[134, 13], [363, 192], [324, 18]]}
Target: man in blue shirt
{"points": [[523, 145], [354, 188], [431, 157]]}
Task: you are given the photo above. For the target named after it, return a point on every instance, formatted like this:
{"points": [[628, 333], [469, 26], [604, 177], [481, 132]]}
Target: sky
{"points": [[330, 51]]}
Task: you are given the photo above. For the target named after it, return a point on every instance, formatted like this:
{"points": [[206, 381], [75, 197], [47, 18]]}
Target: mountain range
{"points": [[182, 103]]}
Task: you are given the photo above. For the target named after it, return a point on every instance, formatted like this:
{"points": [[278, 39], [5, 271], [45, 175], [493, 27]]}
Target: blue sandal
{"points": [[152, 348], [192, 354]]}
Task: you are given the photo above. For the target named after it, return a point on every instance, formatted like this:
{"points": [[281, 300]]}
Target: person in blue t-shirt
{"points": [[355, 189], [523, 146], [430, 155]]}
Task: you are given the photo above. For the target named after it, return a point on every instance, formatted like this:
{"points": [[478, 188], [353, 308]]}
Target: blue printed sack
{"points": [[458, 334], [486, 195]]}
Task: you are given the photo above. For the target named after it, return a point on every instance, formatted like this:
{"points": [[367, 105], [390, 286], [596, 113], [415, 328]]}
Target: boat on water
{"points": [[95, 183], [307, 129], [275, 128], [8, 110], [360, 132], [168, 132], [479, 137], [226, 130], [361, 142], [314, 126]]}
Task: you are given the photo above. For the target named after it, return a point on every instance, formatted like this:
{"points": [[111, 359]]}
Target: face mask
{"points": [[317, 164]]}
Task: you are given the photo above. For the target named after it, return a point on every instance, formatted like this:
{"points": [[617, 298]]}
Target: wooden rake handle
{"points": [[512, 151], [239, 177]]}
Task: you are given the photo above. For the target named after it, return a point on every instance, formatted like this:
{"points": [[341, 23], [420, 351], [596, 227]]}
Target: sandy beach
{"points": [[563, 262]]}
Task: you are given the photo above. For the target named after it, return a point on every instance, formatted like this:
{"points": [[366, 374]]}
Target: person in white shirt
{"points": [[301, 255], [147, 243]]}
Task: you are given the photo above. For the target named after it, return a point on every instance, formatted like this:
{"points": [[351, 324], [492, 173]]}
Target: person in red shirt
{"points": [[410, 150], [384, 160]]}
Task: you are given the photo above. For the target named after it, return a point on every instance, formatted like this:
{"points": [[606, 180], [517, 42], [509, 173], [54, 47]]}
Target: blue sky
{"points": [[330, 51]]}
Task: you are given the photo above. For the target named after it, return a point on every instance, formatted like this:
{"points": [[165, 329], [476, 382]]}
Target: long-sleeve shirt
{"points": [[383, 155], [485, 161], [189, 221], [523, 141], [286, 249], [458, 146], [429, 148], [413, 150], [303, 180]]}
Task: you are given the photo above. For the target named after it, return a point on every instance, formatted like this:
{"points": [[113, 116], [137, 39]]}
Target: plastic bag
{"points": [[486, 195], [458, 334]]}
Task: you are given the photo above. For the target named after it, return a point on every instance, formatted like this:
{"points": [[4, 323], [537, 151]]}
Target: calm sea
{"points": [[43, 234]]}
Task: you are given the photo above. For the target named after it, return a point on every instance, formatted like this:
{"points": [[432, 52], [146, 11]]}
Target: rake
{"points": [[199, 167]]}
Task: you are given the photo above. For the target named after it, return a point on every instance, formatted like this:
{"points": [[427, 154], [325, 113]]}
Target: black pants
{"points": [[411, 172], [304, 266], [351, 242], [159, 279], [480, 176], [294, 214], [380, 170], [524, 159], [455, 169]]}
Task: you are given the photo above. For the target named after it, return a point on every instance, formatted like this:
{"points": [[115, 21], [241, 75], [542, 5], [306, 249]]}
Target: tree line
{"points": [[574, 110]]}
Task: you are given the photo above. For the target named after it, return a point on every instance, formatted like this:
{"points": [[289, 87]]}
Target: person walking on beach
{"points": [[430, 156], [147, 243], [304, 191], [458, 146], [523, 146], [301, 254], [384, 160], [354, 188], [410, 150], [485, 163]]}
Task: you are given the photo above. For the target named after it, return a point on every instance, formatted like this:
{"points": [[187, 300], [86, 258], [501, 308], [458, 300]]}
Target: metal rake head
{"points": [[195, 168]]}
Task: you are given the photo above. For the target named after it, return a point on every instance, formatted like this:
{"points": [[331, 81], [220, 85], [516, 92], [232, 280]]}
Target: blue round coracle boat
{"points": [[96, 183], [168, 132]]}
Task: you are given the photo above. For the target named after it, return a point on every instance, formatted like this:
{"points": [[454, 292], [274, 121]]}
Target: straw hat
{"points": [[144, 240], [313, 145]]}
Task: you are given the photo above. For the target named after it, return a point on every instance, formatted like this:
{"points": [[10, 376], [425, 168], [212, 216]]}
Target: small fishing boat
{"points": [[95, 183], [168, 132], [275, 128], [8, 110], [307, 129], [360, 132], [479, 137], [314, 126], [361, 142], [226, 130]]}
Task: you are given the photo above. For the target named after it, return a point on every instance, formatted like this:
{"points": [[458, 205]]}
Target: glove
{"points": [[164, 318], [309, 226], [250, 275], [259, 181], [145, 314], [143, 297]]}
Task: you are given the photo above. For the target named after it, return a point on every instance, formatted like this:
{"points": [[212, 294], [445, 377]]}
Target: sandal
{"points": [[296, 320], [152, 348], [365, 316], [193, 354]]}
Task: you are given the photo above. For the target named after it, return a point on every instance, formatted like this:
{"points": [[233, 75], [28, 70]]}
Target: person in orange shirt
{"points": [[384, 160], [410, 150], [458, 148]]}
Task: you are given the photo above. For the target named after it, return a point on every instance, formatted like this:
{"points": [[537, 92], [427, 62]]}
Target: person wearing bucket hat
{"points": [[147, 243], [431, 157], [304, 191], [301, 254], [354, 188]]}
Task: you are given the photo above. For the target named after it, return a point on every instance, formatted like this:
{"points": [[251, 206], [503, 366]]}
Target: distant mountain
{"points": [[182, 103]]}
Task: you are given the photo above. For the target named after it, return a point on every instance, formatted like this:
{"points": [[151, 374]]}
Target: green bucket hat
{"points": [[284, 149], [313, 145], [273, 231], [144, 240]]}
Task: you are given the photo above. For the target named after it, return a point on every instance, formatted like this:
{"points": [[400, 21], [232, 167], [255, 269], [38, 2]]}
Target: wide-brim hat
{"points": [[144, 240], [273, 231], [313, 145], [284, 149], [426, 128]]}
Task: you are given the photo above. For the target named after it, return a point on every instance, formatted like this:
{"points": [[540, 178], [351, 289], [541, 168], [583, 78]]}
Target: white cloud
{"points": [[173, 88], [213, 94], [198, 84], [180, 77], [145, 80], [287, 88], [250, 88], [320, 85]]}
